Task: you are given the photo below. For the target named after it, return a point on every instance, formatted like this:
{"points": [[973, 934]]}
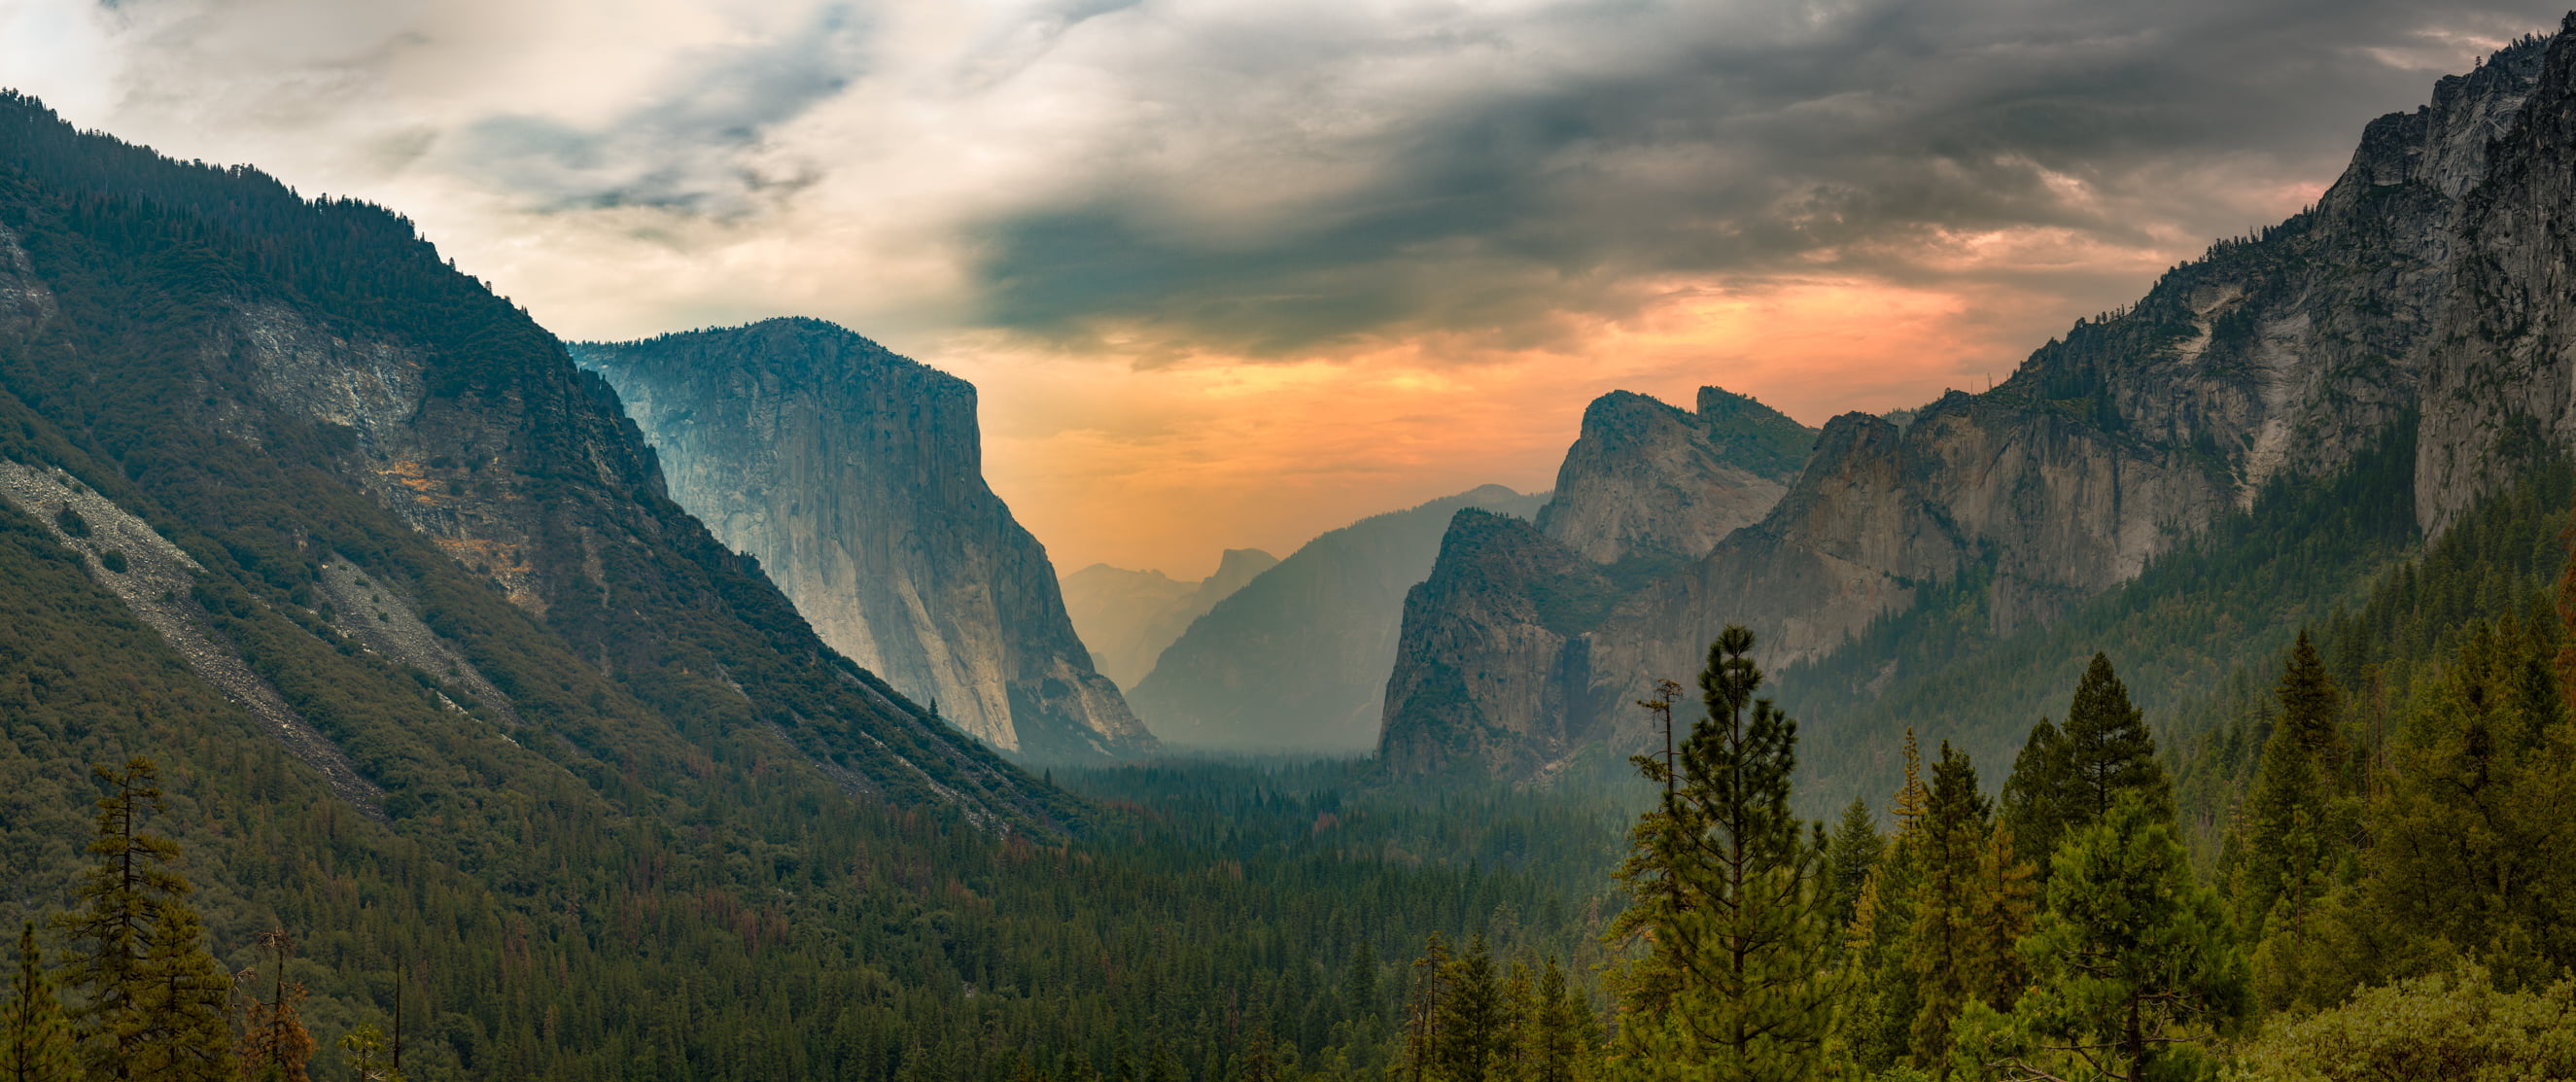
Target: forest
{"points": [[2349, 871]]}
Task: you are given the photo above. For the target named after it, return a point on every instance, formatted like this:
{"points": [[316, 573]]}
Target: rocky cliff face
{"points": [[856, 478], [1650, 479], [2419, 281], [292, 386], [1297, 660], [1127, 618]]}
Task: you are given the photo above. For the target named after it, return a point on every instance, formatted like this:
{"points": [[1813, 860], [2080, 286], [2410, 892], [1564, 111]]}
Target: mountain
{"points": [[2415, 297], [1293, 661], [1128, 617], [856, 478], [1647, 478], [443, 685], [1647, 487]]}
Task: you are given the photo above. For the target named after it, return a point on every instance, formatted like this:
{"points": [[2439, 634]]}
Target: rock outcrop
{"points": [[855, 477], [1127, 618], [2429, 277], [1648, 478], [1297, 660]]}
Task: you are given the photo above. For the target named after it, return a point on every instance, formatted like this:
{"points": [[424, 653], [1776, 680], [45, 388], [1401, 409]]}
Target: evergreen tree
{"points": [[1947, 960], [111, 933], [2036, 794], [1359, 988], [2470, 829], [1554, 1043], [2007, 903], [35, 1038], [2132, 965], [1731, 895], [184, 998], [2108, 750], [1423, 1006], [1852, 856], [2311, 704], [1877, 1025], [363, 1050], [1470, 1021]]}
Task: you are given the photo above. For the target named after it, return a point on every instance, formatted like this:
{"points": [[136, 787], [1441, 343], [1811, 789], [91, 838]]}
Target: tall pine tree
{"points": [[1730, 893], [35, 1038], [113, 966]]}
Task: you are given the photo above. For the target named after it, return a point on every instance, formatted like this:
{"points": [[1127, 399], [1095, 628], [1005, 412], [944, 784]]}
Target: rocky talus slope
{"points": [[1295, 661], [1128, 618], [855, 477], [2425, 282]]}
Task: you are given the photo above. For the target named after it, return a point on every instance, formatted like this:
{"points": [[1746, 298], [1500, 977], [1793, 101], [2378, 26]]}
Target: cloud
{"points": [[1234, 272]]}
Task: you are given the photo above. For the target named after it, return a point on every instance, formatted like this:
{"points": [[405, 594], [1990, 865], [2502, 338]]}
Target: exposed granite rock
{"points": [[2419, 279], [1645, 476], [2500, 379], [856, 478], [1127, 618], [1297, 660]]}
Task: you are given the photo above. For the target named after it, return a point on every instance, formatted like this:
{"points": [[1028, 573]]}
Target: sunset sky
{"points": [[1231, 273]]}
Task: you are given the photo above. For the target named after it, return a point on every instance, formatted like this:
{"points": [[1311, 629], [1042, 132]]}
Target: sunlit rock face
{"points": [[1645, 478], [2426, 287], [855, 477]]}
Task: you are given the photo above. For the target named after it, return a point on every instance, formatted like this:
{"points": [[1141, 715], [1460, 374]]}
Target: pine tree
{"points": [[1946, 959], [1852, 856], [2007, 903], [1910, 797], [112, 932], [363, 1050], [2131, 962], [37, 1043], [1732, 896], [2311, 704], [2036, 793], [2108, 749], [1878, 1022], [1359, 988], [184, 997], [1469, 1022], [1553, 1043], [1423, 1006]]}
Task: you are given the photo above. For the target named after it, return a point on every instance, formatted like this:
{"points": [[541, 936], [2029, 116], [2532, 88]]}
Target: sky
{"points": [[1230, 273]]}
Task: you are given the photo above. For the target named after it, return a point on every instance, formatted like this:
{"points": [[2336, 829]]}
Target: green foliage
{"points": [[1732, 898], [35, 1037], [1851, 856], [2132, 964], [2457, 1026]]}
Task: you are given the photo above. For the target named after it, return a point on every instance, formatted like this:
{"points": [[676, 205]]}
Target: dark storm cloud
{"points": [[1780, 140], [696, 149]]}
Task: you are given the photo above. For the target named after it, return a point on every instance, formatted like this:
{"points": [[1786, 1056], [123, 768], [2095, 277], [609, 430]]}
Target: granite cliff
{"points": [[1295, 661], [1127, 618], [396, 528], [2424, 283], [855, 477]]}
